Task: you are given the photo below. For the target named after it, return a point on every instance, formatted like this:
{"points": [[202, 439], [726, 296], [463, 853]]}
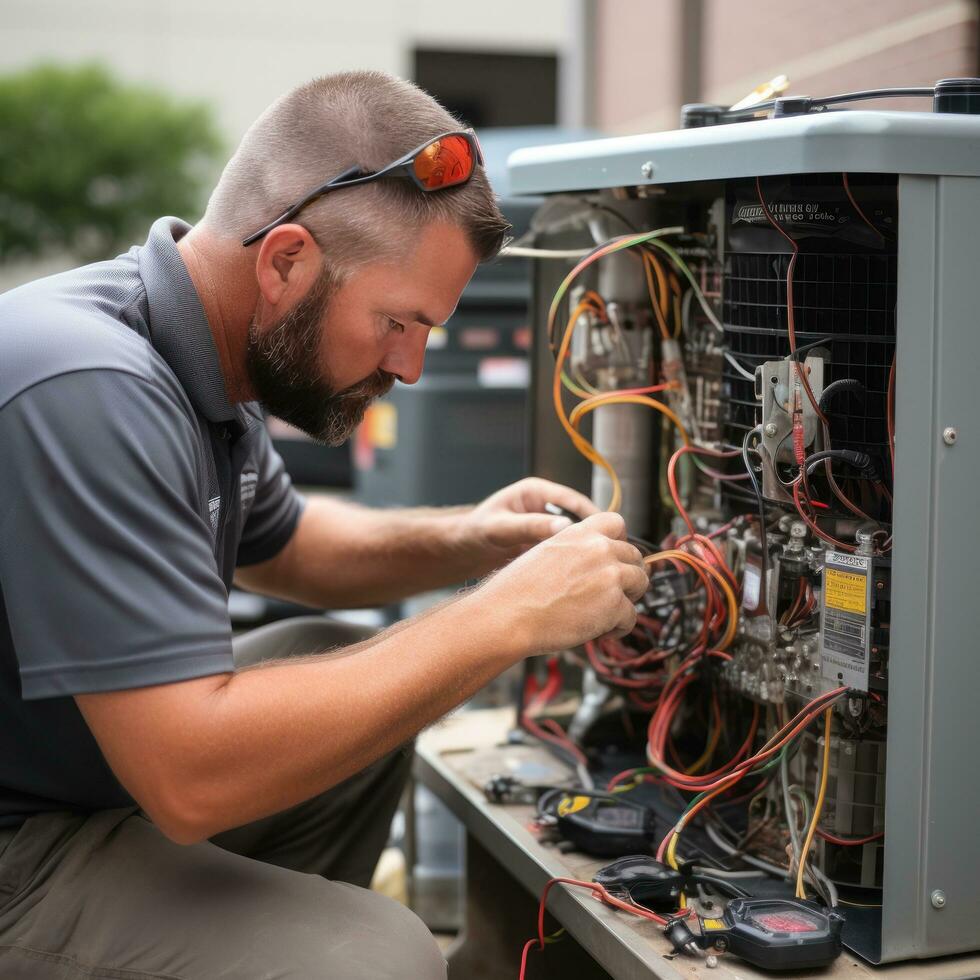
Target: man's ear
{"points": [[289, 262]]}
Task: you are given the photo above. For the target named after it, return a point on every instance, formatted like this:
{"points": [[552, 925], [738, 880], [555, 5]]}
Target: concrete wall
{"points": [[823, 46], [242, 54]]}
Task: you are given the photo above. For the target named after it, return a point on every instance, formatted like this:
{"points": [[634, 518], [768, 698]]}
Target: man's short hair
{"points": [[316, 131]]}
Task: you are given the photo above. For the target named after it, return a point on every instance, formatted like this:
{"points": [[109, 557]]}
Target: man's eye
{"points": [[395, 326]]}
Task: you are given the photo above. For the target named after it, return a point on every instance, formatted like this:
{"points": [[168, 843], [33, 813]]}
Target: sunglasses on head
{"points": [[444, 161]]}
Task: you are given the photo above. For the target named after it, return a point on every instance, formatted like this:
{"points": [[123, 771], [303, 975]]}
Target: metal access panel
{"points": [[931, 865]]}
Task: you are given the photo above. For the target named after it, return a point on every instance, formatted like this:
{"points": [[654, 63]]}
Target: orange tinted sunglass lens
{"points": [[444, 163]]}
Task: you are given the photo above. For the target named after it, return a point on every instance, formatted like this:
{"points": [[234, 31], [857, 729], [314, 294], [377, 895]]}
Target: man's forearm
{"points": [[343, 555], [267, 738]]}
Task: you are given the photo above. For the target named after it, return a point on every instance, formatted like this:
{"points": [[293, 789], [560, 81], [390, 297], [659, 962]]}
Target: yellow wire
{"points": [[615, 398], [821, 793], [671, 856], [581, 381], [658, 298], [709, 750], [577, 388], [578, 440]]}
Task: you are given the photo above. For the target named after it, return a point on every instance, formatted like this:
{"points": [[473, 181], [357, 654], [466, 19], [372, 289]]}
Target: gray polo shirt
{"points": [[130, 488]]}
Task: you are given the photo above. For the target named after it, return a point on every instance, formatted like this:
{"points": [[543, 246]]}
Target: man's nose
{"points": [[407, 357]]}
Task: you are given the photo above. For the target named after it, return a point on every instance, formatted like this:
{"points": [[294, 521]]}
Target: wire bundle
{"points": [[665, 298], [711, 785], [536, 699]]}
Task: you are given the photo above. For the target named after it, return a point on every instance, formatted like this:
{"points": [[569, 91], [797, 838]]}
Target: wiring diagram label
{"points": [[845, 591], [845, 633]]}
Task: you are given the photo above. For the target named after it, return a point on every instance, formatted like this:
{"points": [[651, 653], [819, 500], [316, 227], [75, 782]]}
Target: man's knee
{"points": [[358, 934]]}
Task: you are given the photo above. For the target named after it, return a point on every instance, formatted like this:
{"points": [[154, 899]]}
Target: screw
{"points": [[949, 435], [647, 169], [938, 899], [771, 429]]}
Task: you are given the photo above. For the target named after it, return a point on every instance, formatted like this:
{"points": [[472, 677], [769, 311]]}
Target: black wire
{"points": [[878, 93], [860, 461], [641, 543], [836, 387], [616, 214]]}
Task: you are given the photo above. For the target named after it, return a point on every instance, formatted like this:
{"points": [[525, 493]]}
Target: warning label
{"points": [[845, 629], [845, 590]]}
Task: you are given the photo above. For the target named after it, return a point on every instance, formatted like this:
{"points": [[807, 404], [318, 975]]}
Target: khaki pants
{"points": [[106, 895]]}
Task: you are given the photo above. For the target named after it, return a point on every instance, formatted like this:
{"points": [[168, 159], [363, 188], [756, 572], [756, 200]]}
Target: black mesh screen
{"points": [[844, 293]]}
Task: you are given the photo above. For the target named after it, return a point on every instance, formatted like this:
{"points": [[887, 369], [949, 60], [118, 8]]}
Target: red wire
{"points": [[535, 702], [672, 482], [801, 371], [848, 841], [812, 524], [708, 781], [599, 892]]}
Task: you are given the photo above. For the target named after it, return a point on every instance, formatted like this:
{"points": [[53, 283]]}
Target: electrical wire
{"points": [[527, 252], [711, 788], [801, 371], [848, 841], [744, 372], [600, 251], [818, 805], [598, 891], [685, 270]]}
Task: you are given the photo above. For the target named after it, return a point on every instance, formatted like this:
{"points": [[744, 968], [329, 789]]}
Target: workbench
{"points": [[507, 867]]}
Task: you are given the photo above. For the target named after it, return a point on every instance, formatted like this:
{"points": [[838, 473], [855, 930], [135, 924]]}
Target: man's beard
{"points": [[282, 364]]}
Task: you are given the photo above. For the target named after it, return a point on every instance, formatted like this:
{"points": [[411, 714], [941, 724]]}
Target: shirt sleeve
{"points": [[106, 560], [275, 510]]}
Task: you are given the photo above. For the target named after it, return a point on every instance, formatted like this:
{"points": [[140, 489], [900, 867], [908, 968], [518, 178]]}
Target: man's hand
{"points": [[580, 584], [514, 519]]}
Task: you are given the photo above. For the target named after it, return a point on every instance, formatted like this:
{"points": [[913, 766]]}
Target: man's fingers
{"points": [[627, 553], [635, 582], [514, 530], [608, 523], [626, 622], [538, 492]]}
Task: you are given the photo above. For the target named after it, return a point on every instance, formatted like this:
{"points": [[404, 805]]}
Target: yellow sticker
{"points": [[572, 804], [713, 924], [381, 421], [845, 591]]}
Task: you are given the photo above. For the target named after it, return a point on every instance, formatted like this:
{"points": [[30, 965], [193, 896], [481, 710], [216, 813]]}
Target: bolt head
{"points": [[938, 899], [949, 435], [646, 169], [771, 429]]}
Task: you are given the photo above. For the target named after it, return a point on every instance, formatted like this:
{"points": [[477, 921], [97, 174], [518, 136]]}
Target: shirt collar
{"points": [[179, 328]]}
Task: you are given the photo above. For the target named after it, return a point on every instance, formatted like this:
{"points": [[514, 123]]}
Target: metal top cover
{"points": [[825, 142]]}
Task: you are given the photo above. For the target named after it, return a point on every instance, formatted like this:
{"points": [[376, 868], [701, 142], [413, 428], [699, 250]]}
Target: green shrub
{"points": [[87, 162]]}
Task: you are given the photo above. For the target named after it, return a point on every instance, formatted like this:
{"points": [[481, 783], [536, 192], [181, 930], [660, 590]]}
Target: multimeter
{"points": [[775, 933], [602, 824]]}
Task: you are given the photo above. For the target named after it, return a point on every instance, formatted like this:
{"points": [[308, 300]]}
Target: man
{"points": [[163, 789]]}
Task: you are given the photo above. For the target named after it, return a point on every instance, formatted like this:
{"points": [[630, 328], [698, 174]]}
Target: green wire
{"points": [[683, 266], [600, 251]]}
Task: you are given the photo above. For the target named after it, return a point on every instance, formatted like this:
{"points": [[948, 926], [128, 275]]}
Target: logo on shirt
{"points": [[249, 482], [214, 510]]}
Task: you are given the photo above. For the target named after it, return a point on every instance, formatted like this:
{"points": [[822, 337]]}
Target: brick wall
{"points": [[824, 47]]}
